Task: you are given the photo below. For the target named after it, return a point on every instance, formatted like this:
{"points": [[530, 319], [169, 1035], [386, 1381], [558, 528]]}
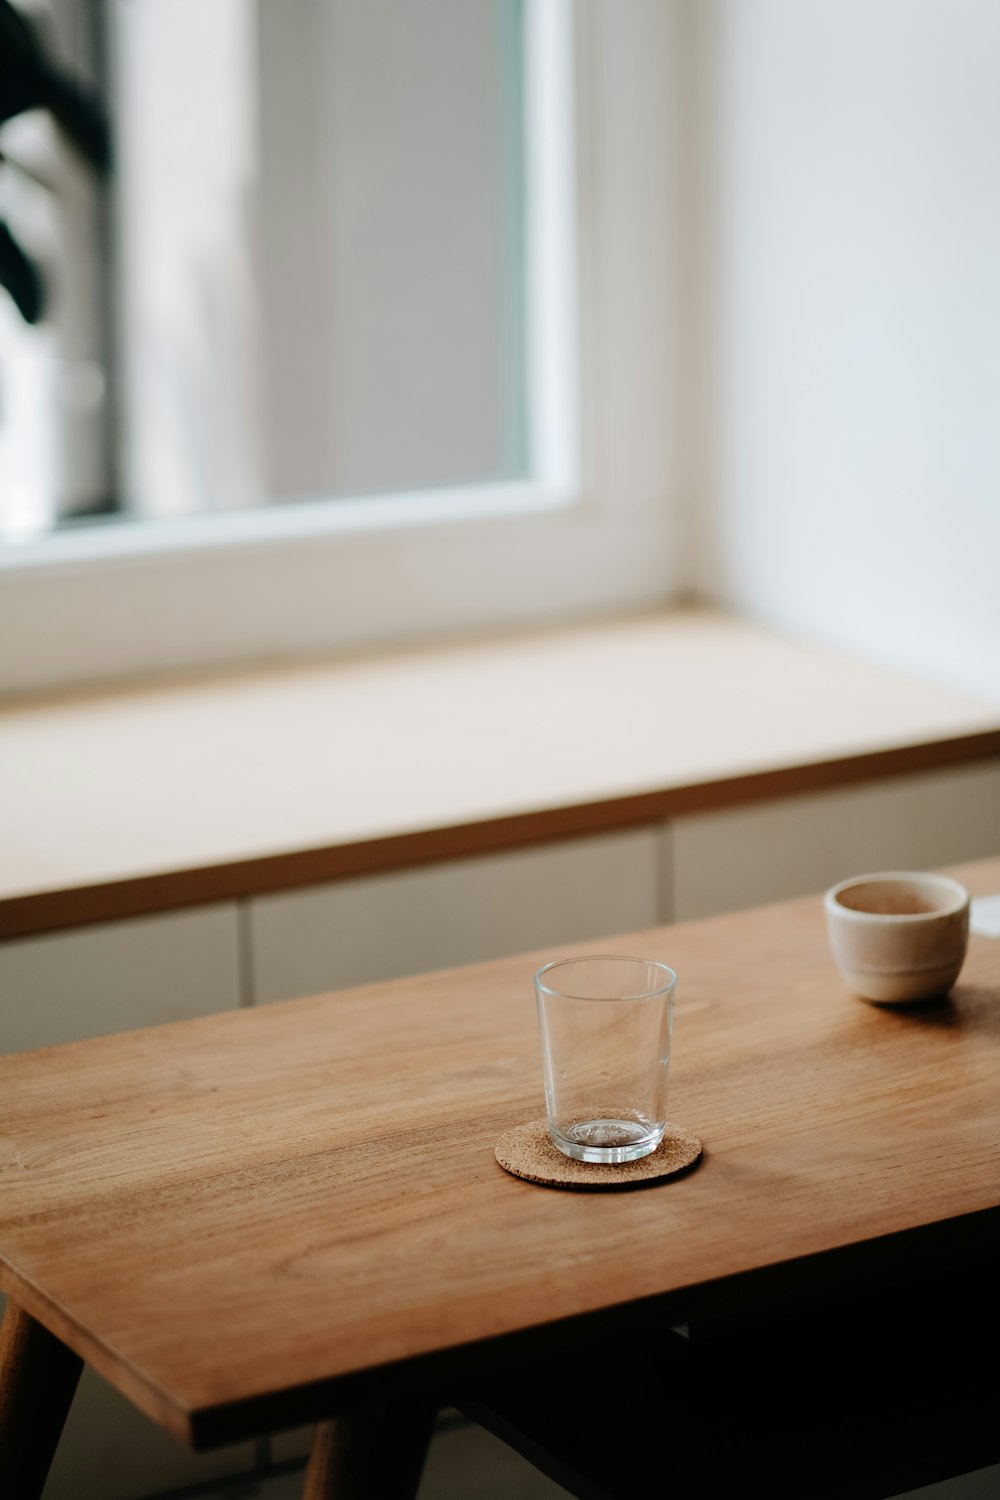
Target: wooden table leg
{"points": [[38, 1377], [379, 1451]]}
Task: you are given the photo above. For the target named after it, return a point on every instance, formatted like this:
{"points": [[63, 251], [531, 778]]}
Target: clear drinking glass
{"points": [[606, 1024]]}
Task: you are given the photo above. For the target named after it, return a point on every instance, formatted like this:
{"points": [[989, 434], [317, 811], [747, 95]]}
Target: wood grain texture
{"points": [[161, 796], [250, 1220]]}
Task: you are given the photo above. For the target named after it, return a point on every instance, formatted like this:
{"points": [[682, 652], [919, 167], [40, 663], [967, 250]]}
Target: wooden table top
{"points": [[240, 1221]]}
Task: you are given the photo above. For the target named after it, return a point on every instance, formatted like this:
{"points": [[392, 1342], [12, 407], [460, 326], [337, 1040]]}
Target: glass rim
{"points": [[669, 982]]}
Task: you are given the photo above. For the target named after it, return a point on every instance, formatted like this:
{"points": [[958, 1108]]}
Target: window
{"points": [[55, 458], [548, 499], [318, 280], [323, 250]]}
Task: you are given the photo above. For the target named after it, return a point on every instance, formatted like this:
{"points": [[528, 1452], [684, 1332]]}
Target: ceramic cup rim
{"points": [[954, 894]]}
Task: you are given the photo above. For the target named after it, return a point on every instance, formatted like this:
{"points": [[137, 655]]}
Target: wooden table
{"points": [[273, 1216]]}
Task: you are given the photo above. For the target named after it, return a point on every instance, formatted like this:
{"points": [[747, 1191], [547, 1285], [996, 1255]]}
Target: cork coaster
{"points": [[526, 1151]]}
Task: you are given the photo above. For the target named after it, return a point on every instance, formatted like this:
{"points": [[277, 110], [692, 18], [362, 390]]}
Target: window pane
{"points": [[54, 312], [325, 254], [390, 243], [316, 268]]}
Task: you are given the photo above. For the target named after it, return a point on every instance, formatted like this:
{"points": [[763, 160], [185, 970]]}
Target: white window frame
{"points": [[596, 531]]}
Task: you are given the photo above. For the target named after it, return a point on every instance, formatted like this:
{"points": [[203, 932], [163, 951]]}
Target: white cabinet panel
{"points": [[772, 850], [357, 931], [117, 976]]}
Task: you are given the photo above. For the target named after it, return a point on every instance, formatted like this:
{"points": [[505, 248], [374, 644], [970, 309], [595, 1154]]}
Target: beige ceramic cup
{"points": [[898, 936]]}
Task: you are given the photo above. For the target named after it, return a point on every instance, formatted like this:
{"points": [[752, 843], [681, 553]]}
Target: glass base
{"points": [[608, 1141]]}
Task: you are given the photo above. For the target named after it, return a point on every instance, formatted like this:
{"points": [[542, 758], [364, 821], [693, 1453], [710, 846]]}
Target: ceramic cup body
{"points": [[899, 935]]}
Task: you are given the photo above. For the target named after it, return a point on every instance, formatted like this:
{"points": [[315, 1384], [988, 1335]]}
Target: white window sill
{"points": [[214, 787]]}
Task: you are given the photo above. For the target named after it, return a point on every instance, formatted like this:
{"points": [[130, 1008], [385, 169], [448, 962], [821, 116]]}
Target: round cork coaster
{"points": [[527, 1151]]}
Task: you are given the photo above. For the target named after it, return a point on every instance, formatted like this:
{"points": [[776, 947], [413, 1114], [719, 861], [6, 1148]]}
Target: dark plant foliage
{"points": [[32, 78]]}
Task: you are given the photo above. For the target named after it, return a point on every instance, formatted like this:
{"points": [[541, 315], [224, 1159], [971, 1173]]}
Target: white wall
{"points": [[851, 176]]}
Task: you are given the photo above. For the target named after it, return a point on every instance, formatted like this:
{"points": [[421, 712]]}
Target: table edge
{"points": [[861, 1266]]}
